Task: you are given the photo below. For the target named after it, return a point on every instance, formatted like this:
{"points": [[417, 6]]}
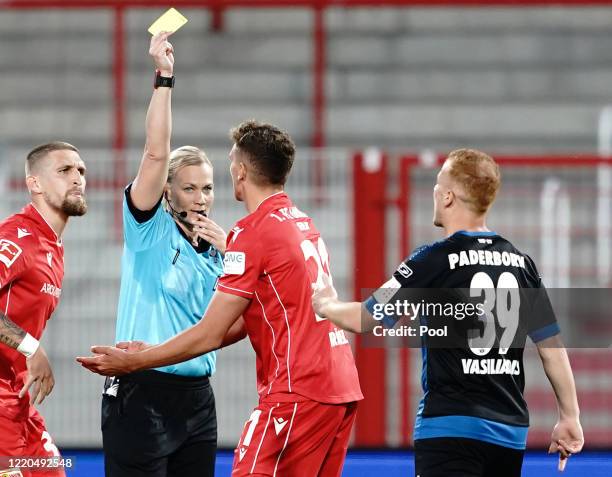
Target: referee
{"points": [[162, 422]]}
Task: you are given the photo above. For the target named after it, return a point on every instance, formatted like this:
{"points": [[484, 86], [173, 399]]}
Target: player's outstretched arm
{"points": [[149, 183], [40, 374], [567, 437], [223, 311], [236, 333], [350, 316]]}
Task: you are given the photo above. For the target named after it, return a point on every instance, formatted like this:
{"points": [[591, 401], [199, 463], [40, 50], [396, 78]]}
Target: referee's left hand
{"points": [[567, 439], [209, 231], [108, 361]]}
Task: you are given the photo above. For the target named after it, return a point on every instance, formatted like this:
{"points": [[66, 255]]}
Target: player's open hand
{"points": [[209, 231], [162, 52], [567, 439], [323, 296], [109, 361], [40, 377]]}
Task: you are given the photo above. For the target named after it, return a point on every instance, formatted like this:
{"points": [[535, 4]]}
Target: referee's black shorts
{"points": [[159, 425], [460, 457]]}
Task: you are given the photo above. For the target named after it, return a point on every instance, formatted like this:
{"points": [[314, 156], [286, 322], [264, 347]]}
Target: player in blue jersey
{"points": [[162, 422], [472, 420]]}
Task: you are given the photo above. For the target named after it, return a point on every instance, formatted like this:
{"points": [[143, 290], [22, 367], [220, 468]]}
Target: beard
{"points": [[74, 207]]}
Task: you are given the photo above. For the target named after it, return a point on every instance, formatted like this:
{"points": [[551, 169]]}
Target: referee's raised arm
{"points": [[152, 174]]}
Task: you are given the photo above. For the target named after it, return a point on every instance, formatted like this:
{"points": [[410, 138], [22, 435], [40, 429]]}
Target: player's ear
{"points": [[449, 198], [33, 184], [242, 171]]}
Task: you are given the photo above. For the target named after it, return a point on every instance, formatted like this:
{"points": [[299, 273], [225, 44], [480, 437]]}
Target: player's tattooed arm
{"points": [[10, 333]]}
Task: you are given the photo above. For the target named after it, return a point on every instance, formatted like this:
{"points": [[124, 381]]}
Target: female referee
{"points": [[162, 422]]}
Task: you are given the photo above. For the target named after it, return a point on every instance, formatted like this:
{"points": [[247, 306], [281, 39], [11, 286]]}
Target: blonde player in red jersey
{"points": [[31, 273], [306, 376]]}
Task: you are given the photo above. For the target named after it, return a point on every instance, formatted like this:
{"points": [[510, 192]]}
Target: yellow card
{"points": [[171, 21]]}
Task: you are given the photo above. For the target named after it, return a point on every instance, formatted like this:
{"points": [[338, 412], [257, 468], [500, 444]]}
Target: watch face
{"points": [[163, 81]]}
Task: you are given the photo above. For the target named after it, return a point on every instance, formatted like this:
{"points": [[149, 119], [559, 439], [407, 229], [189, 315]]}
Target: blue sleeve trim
{"points": [[546, 332], [369, 304], [386, 321], [471, 427]]}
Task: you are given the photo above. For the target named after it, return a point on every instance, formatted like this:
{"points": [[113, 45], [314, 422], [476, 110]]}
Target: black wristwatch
{"points": [[163, 81]]}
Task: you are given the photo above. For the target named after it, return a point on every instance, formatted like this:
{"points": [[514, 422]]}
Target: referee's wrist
{"points": [[28, 346]]}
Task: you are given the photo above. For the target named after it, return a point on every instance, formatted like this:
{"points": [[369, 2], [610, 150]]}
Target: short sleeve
{"points": [[242, 263], [16, 250], [143, 229], [541, 322], [414, 272]]}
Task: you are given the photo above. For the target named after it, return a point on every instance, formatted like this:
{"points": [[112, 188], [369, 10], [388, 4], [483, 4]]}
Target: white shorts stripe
{"points": [[261, 442], [280, 454]]}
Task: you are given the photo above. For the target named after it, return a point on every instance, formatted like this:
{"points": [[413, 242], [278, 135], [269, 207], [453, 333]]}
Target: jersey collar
{"points": [[488, 233], [31, 211], [268, 198]]}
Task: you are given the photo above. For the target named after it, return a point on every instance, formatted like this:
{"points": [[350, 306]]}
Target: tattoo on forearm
{"points": [[10, 333]]}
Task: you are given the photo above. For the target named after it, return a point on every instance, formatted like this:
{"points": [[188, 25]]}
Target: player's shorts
{"points": [[461, 457], [28, 437], [304, 439]]}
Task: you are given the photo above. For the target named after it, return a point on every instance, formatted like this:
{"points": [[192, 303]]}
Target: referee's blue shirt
{"points": [[166, 284]]}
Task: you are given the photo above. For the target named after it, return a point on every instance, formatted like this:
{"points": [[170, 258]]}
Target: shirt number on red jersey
{"points": [[320, 257]]}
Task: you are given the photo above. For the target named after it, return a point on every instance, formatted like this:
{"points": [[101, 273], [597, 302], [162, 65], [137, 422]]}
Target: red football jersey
{"points": [[273, 258], [31, 273]]}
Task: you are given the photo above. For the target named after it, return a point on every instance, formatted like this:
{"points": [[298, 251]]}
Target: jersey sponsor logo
{"points": [[404, 270], [303, 226], [51, 290], [485, 257], [279, 424], [49, 258], [485, 241], [22, 233], [234, 263], [236, 231], [9, 252], [337, 338], [491, 366]]}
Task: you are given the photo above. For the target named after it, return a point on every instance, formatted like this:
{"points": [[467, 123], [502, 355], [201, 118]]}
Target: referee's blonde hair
{"points": [[186, 156]]}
